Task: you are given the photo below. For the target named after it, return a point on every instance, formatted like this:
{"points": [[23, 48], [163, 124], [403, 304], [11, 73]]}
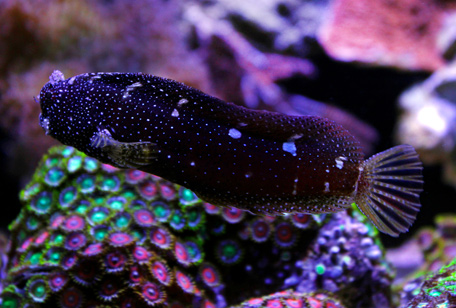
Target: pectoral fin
{"points": [[125, 154]]}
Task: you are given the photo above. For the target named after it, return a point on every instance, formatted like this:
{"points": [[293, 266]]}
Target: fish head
{"points": [[67, 114]]}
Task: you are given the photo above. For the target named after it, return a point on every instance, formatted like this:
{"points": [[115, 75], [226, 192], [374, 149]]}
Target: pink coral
{"points": [[399, 33]]}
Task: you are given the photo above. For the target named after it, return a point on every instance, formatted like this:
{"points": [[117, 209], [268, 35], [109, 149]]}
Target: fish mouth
{"points": [[44, 123]]}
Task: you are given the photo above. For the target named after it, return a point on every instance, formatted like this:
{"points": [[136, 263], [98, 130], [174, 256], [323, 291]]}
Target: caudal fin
{"points": [[389, 189]]}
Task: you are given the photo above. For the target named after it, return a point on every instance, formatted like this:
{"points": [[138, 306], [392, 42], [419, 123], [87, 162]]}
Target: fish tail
{"points": [[389, 189]]}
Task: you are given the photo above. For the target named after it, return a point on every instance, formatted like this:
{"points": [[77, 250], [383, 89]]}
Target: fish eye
{"points": [[47, 95]]}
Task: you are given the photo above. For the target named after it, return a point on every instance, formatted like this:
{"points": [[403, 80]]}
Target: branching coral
{"points": [[438, 248], [438, 290]]}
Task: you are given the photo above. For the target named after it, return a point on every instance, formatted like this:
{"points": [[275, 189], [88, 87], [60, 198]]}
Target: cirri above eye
{"points": [[264, 162]]}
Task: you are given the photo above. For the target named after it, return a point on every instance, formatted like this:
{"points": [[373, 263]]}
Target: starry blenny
{"points": [[260, 161]]}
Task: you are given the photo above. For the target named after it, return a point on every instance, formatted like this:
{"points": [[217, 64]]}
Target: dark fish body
{"points": [[260, 161]]}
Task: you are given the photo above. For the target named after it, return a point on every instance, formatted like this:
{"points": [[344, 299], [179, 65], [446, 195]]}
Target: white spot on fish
{"points": [[295, 187], [234, 133], [326, 187], [182, 101], [248, 174], [45, 125], [56, 76], [340, 161], [192, 163], [295, 137], [327, 170], [289, 147], [135, 85], [71, 81], [241, 124], [175, 113], [130, 88]]}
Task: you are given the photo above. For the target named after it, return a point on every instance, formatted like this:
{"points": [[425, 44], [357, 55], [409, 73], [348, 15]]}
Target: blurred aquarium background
{"points": [[384, 69]]}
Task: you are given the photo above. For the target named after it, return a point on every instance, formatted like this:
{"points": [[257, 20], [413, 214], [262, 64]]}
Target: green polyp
{"points": [[82, 208], [68, 197], [192, 251], [116, 205], [229, 251], [58, 239], [137, 234], [35, 258], [90, 164], [98, 216], [55, 257], [193, 216], [74, 163], [176, 219], [39, 291], [100, 234], [160, 211], [99, 200], [32, 223], [10, 302], [87, 184], [320, 269], [129, 194], [122, 222], [187, 195], [51, 162], [54, 177], [42, 203], [67, 151], [109, 184]]}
